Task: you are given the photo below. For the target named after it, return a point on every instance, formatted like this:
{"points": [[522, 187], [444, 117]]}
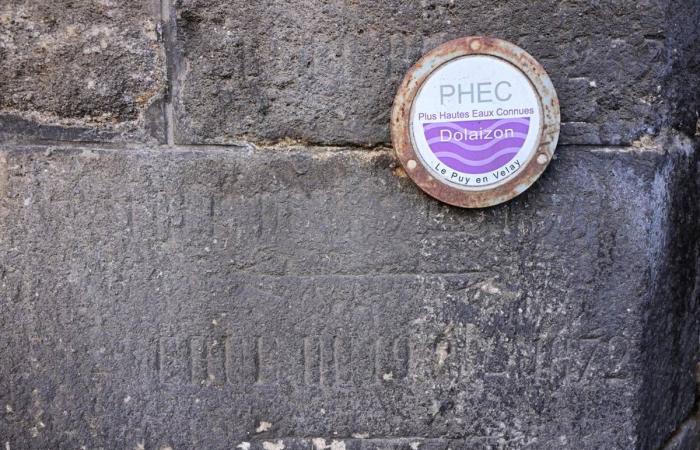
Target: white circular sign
{"points": [[475, 122]]}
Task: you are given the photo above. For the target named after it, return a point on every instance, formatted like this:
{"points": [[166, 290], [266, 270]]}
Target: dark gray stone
{"points": [[687, 437], [218, 297], [82, 70], [327, 72]]}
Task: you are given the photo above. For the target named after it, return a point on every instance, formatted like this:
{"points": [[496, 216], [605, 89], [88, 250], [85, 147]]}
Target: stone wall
{"points": [[206, 242]]}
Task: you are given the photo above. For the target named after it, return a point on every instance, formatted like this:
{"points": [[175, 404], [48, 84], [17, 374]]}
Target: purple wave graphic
{"points": [[479, 163], [477, 146]]}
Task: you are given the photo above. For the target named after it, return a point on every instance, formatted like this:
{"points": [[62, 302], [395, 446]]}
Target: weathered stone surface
{"points": [[204, 299], [687, 437], [327, 72], [82, 70]]}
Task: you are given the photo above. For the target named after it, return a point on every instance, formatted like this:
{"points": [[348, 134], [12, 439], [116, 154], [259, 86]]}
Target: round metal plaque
{"points": [[475, 122]]}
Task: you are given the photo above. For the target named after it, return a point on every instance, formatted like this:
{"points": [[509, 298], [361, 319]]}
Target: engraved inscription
{"points": [[324, 360]]}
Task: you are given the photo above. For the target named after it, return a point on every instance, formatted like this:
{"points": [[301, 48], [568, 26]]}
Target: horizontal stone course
{"points": [[214, 298], [328, 72]]}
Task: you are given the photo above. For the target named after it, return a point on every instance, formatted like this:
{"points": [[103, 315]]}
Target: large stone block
{"points": [[297, 298], [327, 72], [82, 70]]}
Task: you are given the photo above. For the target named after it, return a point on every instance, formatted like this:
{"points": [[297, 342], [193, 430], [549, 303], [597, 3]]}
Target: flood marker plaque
{"points": [[475, 122]]}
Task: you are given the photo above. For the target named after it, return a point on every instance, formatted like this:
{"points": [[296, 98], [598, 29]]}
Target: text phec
{"points": [[485, 92]]}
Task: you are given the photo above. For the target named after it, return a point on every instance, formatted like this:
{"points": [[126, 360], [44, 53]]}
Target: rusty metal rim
{"points": [[414, 80]]}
